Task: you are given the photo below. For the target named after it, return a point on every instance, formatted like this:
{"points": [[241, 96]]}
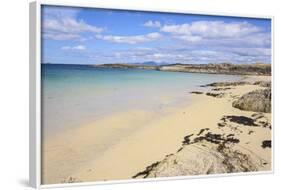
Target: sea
{"points": [[74, 95]]}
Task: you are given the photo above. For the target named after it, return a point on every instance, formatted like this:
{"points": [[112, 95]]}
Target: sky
{"points": [[97, 36]]}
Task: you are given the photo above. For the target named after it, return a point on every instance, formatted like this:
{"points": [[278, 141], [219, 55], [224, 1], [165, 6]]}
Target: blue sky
{"points": [[97, 36]]}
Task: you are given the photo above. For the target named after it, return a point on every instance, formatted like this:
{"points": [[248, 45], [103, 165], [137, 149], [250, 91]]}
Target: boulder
{"points": [[257, 101]]}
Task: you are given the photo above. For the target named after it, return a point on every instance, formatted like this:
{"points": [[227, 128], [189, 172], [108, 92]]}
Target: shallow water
{"points": [[73, 95]]}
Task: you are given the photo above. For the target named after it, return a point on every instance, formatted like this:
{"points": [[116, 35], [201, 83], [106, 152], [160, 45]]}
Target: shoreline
{"points": [[257, 69], [152, 141]]}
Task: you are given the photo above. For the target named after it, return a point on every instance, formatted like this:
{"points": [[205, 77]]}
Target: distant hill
{"points": [[153, 63], [219, 68], [126, 66], [148, 63]]}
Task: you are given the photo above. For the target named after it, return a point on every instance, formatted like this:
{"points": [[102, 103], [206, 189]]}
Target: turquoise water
{"points": [[76, 94]]}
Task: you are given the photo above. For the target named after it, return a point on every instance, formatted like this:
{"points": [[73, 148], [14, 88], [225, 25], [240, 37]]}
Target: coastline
{"points": [[151, 142], [261, 69]]}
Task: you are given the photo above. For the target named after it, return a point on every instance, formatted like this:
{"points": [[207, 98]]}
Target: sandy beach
{"points": [[137, 139]]}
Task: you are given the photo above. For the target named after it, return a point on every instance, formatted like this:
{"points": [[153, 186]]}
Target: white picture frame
{"points": [[35, 91]]}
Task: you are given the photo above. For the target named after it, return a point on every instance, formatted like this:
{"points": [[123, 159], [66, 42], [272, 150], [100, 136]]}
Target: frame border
{"points": [[35, 91], [34, 95]]}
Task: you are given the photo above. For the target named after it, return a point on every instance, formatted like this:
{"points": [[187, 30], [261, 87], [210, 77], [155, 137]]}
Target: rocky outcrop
{"points": [[223, 84], [224, 68], [208, 152], [263, 83], [258, 101], [224, 149], [205, 153]]}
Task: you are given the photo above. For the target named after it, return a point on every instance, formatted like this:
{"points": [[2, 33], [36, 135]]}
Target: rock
{"points": [[145, 173], [266, 144], [219, 84], [202, 130], [263, 83], [196, 92], [222, 124], [206, 154], [250, 132], [221, 89], [240, 120], [258, 101], [216, 95], [216, 138], [261, 120], [186, 139]]}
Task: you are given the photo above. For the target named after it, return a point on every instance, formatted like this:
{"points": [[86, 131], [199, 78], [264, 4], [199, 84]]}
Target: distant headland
{"points": [[219, 68]]}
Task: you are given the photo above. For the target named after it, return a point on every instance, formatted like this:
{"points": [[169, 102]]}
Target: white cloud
{"points": [[189, 38], [259, 39], [251, 51], [195, 42], [153, 24], [62, 24], [194, 56], [177, 29], [79, 47], [61, 36], [54, 12], [256, 40], [130, 39], [212, 29], [69, 25], [219, 34], [204, 52]]}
